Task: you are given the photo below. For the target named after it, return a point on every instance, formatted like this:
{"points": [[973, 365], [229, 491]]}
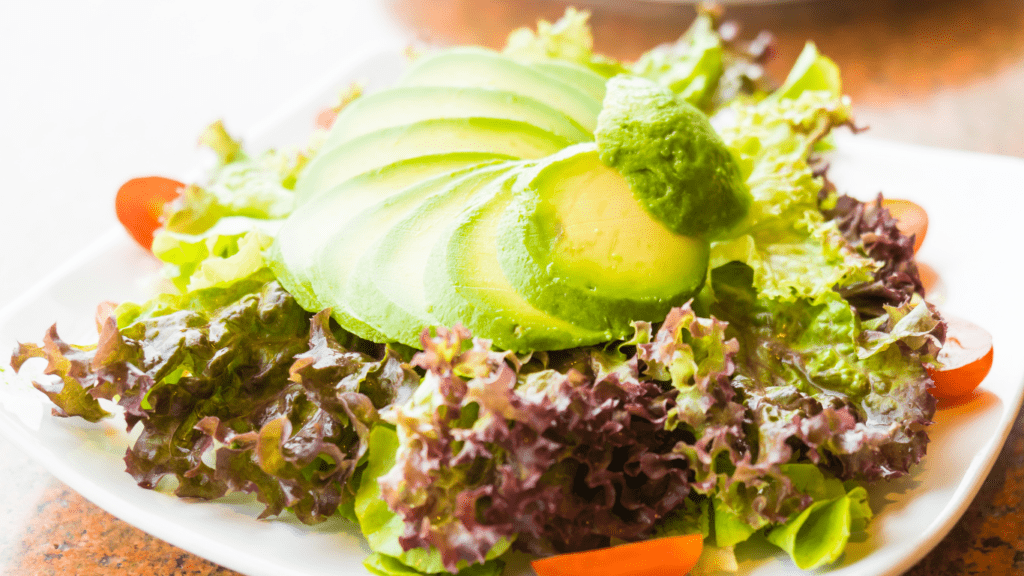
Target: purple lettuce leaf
{"points": [[235, 389]]}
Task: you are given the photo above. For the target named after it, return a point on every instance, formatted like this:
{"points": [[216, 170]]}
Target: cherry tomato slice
{"points": [[140, 202], [325, 119], [911, 219], [672, 556], [966, 358]]}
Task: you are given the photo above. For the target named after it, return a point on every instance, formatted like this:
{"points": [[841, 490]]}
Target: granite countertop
{"points": [[97, 95]]}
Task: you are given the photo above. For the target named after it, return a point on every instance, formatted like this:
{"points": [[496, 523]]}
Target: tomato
{"points": [[966, 359], [140, 202], [911, 219], [929, 278], [672, 556], [325, 119]]}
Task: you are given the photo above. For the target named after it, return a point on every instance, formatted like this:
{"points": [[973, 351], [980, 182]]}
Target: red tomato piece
{"points": [[140, 203], [672, 556], [966, 358], [911, 219]]}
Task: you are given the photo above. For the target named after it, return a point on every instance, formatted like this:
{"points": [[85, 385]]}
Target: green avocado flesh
{"points": [[477, 67], [581, 77], [301, 237], [464, 284], [406, 105], [342, 250], [508, 138], [386, 287], [577, 244]]}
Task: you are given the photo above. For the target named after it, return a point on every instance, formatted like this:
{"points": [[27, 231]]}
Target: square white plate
{"points": [[974, 203]]}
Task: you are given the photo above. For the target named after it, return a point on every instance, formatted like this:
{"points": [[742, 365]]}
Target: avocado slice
{"points": [[578, 245], [508, 138], [295, 248], [579, 76], [409, 104], [341, 250], [484, 68], [386, 286], [464, 283]]}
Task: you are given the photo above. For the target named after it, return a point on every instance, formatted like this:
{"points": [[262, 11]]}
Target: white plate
{"points": [[974, 203]]}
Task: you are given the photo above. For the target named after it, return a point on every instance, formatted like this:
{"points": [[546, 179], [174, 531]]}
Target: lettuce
{"points": [[709, 68], [561, 452], [869, 227], [794, 251], [569, 39], [852, 396], [691, 67], [818, 534], [235, 388], [382, 527]]}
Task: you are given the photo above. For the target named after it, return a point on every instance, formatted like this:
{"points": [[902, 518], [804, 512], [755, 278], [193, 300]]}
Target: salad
{"points": [[532, 300]]}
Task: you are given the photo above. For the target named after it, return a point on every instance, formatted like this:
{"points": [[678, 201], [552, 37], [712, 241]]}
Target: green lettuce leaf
{"points": [[231, 249], [818, 534], [691, 67], [811, 72], [569, 38], [794, 252]]}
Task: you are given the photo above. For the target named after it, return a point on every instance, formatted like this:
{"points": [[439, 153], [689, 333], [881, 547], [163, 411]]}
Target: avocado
{"points": [[482, 68], [386, 286], [464, 283], [675, 162], [357, 232], [577, 244], [580, 76], [301, 237], [406, 105], [508, 138]]}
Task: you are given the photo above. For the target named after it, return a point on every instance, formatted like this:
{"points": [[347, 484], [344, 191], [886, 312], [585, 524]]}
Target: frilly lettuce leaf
{"points": [[569, 38], [382, 527], [691, 67], [854, 397], [235, 388], [794, 252], [562, 457], [869, 227], [258, 187], [709, 69], [231, 249]]}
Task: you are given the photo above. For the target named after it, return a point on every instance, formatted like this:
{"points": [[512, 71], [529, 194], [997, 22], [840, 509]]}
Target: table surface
{"points": [[95, 93]]}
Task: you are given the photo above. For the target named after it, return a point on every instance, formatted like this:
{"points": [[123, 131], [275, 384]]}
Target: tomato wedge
{"points": [[672, 556], [140, 202], [966, 358], [325, 119], [911, 219]]}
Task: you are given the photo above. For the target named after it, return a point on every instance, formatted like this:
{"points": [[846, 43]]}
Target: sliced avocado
{"points": [[386, 286], [507, 138], [295, 247], [342, 250], [578, 245], [409, 104], [579, 76], [479, 67], [464, 283]]}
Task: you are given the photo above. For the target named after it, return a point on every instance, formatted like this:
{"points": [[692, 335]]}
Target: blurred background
{"points": [[92, 94]]}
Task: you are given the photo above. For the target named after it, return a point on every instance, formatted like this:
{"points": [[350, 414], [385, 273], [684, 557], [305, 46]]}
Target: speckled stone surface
{"points": [[942, 72]]}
